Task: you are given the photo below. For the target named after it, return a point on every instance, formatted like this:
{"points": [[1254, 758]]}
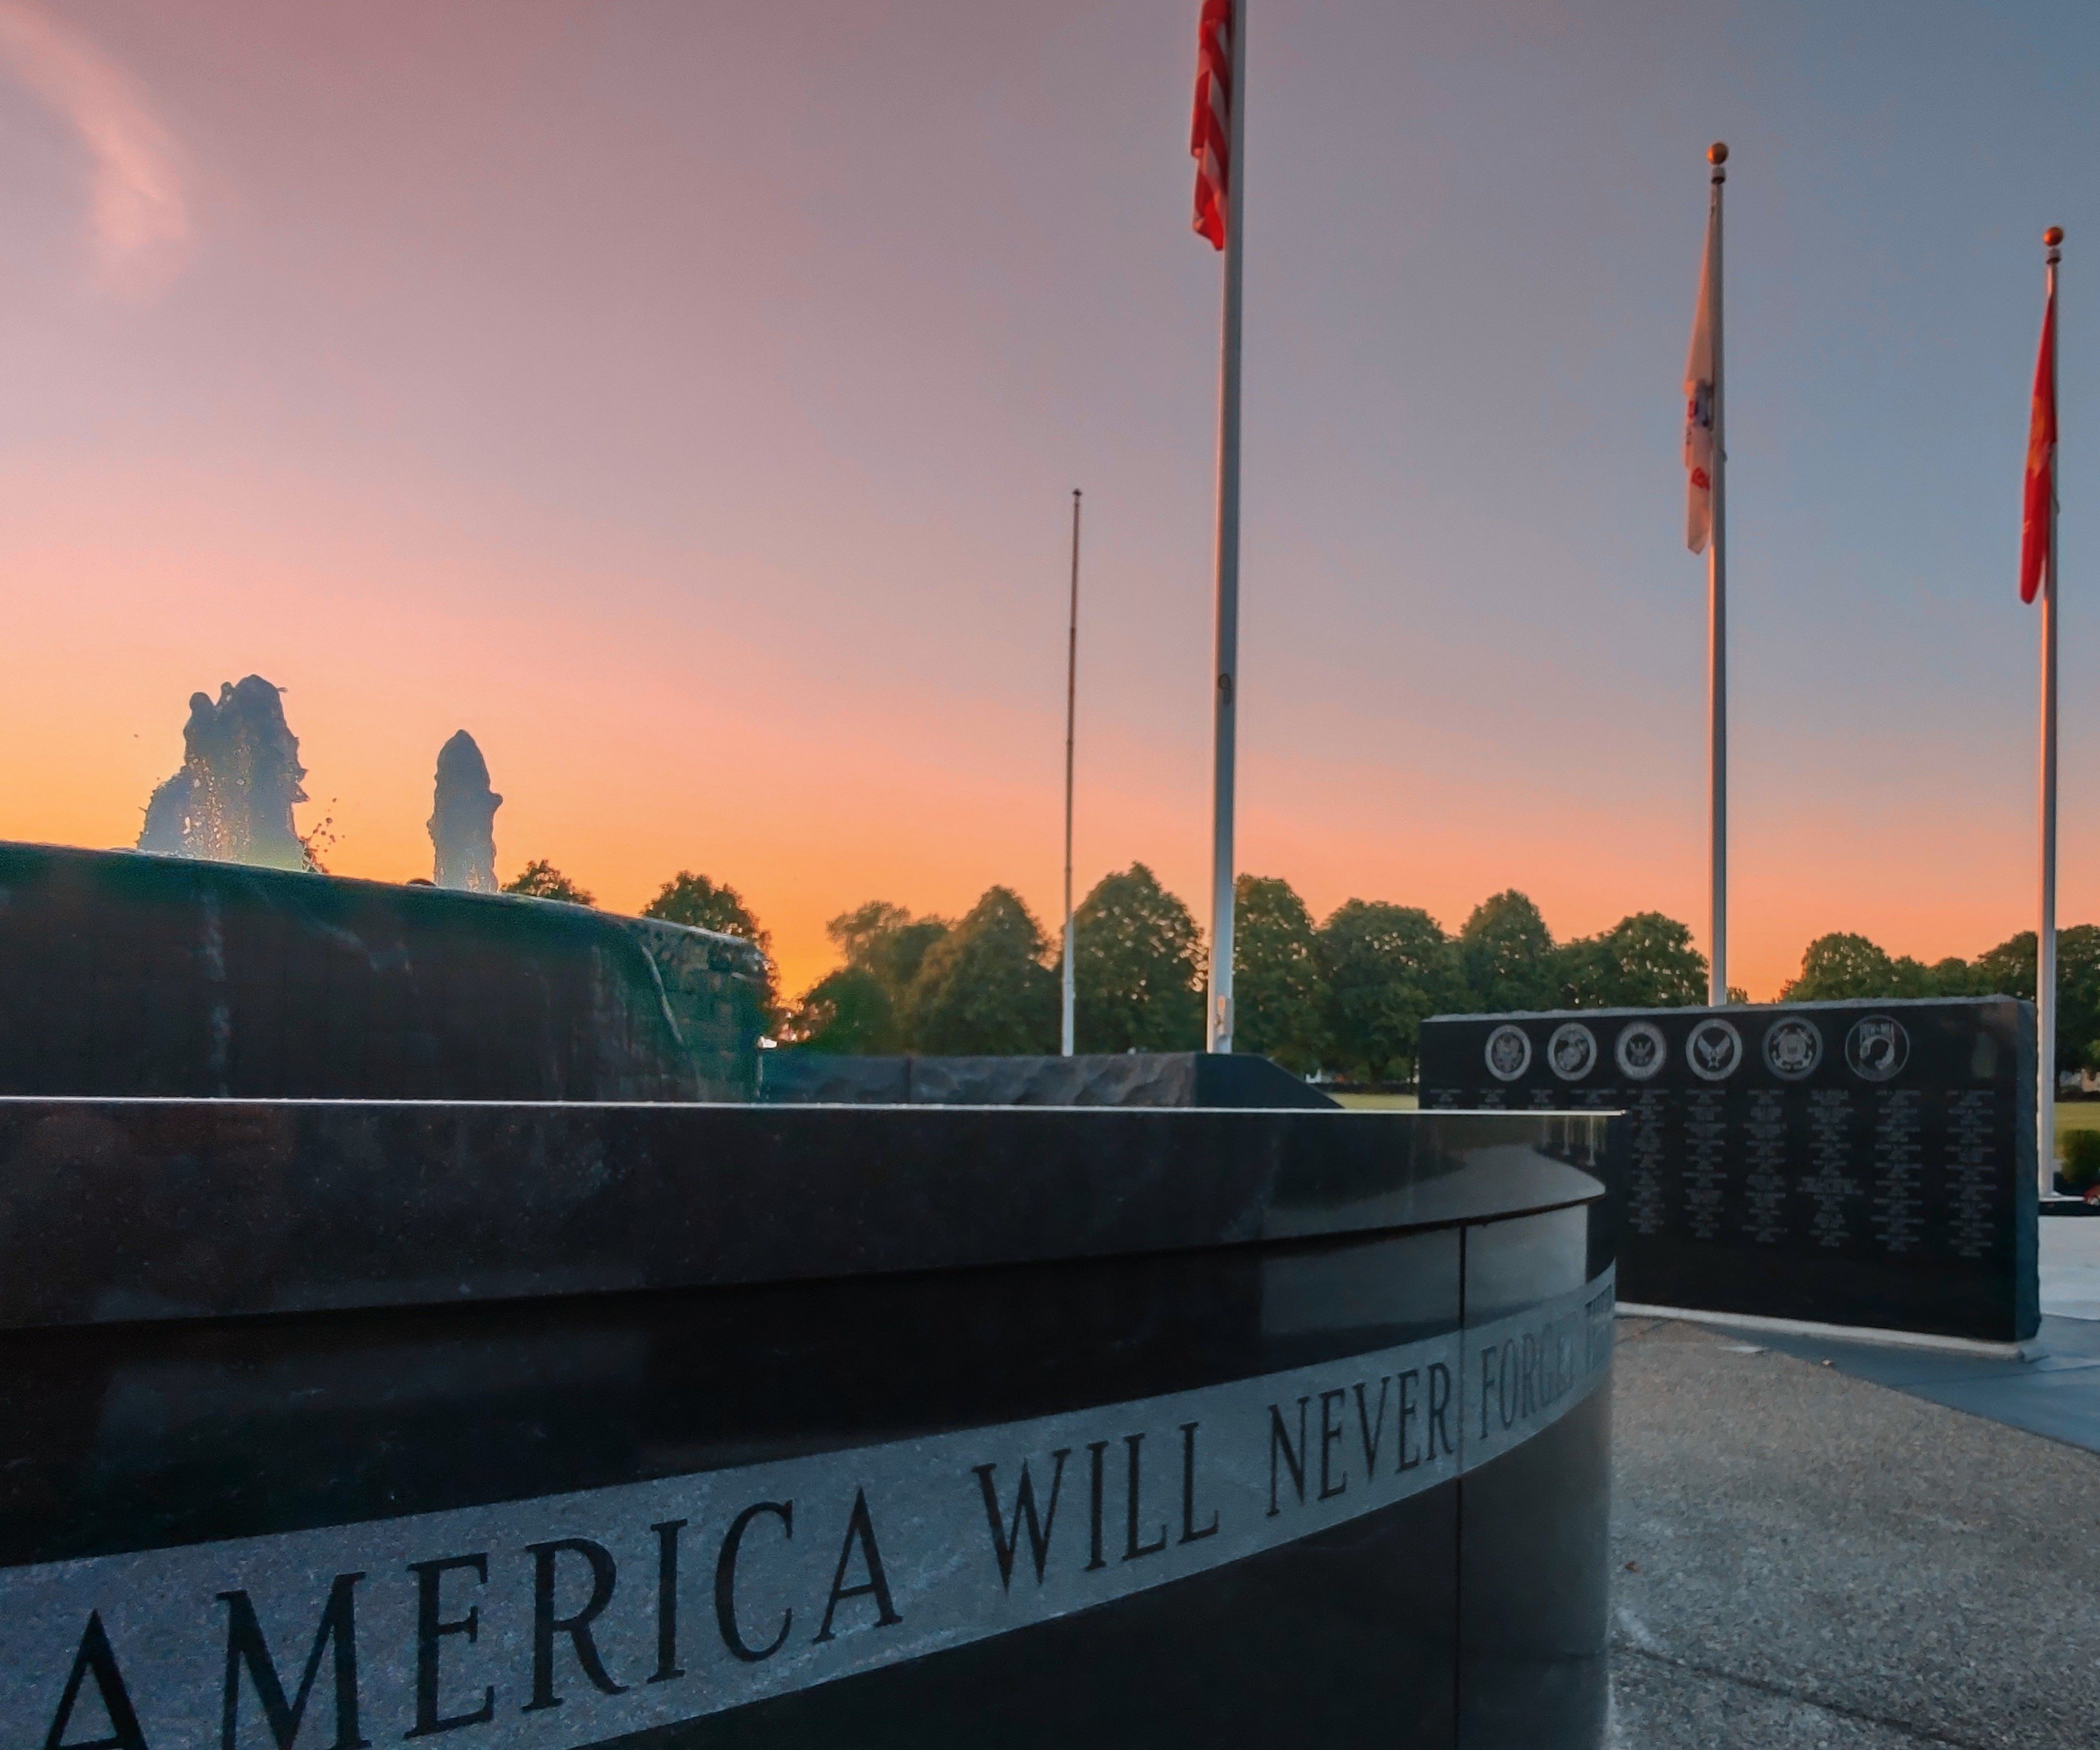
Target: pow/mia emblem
{"points": [[1793, 1047], [1509, 1053], [1640, 1050], [1715, 1049], [1572, 1052], [1877, 1047]]}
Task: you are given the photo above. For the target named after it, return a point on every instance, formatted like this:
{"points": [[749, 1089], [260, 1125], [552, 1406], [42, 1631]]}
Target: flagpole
{"points": [[1717, 635], [2045, 930], [1071, 704], [1218, 1029]]}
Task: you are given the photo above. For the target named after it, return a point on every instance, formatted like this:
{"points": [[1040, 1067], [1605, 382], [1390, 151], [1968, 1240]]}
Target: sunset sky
{"points": [[685, 399]]}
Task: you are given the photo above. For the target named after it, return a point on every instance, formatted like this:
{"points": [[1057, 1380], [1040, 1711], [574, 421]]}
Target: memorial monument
{"points": [[412, 1327], [1861, 1164]]}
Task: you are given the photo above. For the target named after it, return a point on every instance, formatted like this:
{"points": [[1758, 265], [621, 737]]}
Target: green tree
{"points": [[1387, 968], [863, 1007], [886, 942], [540, 880], [1839, 965], [1136, 967], [2078, 997], [1953, 976], [984, 988], [849, 1010], [702, 904], [1506, 955], [1643, 961], [2009, 970], [1844, 965], [1279, 993]]}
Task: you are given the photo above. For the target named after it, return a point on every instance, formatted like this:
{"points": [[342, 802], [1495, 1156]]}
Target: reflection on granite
{"points": [[125, 1209]]}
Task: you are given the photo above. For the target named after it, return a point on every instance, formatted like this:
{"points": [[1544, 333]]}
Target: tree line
{"points": [[1347, 995], [1843, 964]]}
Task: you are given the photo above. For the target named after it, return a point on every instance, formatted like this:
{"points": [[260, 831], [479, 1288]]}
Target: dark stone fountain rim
{"points": [[418, 894], [128, 1209]]}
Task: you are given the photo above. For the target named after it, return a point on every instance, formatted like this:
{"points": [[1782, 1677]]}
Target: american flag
{"points": [[1210, 140]]}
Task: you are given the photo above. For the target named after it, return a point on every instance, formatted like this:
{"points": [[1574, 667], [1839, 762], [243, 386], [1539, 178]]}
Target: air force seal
{"points": [[1713, 1049]]}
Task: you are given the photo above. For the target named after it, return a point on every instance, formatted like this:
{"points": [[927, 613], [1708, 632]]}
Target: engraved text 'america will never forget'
{"points": [[566, 1620]]}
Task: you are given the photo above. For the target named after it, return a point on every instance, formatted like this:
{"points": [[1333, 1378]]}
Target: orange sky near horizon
{"points": [[646, 764], [685, 399]]}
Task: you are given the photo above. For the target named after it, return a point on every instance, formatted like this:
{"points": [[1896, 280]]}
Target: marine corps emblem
{"points": [[1571, 1050]]}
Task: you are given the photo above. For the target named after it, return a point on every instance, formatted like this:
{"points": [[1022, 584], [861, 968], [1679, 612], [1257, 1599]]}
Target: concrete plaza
{"points": [[1847, 1545]]}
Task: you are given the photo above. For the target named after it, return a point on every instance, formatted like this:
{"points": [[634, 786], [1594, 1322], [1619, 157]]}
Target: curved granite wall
{"points": [[549, 1426], [128, 974]]}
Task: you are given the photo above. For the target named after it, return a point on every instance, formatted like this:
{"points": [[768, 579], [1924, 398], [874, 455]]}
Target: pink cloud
{"points": [[140, 210]]}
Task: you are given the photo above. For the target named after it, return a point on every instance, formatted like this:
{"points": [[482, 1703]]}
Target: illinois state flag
{"points": [[1699, 408], [2039, 499]]}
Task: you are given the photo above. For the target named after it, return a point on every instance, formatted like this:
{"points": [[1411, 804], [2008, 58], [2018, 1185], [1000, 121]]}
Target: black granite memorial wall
{"points": [[121, 973], [1865, 1164], [553, 1426]]}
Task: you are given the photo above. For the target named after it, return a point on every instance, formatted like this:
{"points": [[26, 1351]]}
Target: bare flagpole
{"points": [[1219, 1031], [1071, 704], [1717, 637], [2045, 930]]}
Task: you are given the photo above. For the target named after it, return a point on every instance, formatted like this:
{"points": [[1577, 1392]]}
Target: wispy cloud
{"points": [[140, 210]]}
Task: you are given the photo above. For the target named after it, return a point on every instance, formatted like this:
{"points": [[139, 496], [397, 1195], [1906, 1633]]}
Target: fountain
{"points": [[231, 799], [463, 822]]}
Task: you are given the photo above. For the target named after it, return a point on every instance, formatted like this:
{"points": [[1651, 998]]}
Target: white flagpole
{"points": [[1219, 1031], [1071, 702], [1717, 637], [2045, 930]]}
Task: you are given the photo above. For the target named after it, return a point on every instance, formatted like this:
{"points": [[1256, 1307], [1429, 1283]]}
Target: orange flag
{"points": [[2038, 502]]}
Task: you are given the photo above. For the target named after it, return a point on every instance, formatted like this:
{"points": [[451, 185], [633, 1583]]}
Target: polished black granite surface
{"points": [[144, 1209], [290, 1359], [1121, 1078], [129, 974], [1868, 1164], [418, 1321]]}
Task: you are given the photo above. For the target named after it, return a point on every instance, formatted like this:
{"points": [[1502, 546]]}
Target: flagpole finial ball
{"points": [[1717, 152], [2054, 236]]}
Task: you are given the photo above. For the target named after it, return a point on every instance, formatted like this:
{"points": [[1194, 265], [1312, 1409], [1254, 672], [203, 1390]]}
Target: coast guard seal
{"points": [[1793, 1047]]}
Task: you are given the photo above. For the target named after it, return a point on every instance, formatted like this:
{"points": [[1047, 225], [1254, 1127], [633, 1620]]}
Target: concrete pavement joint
{"points": [[1780, 1692]]}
